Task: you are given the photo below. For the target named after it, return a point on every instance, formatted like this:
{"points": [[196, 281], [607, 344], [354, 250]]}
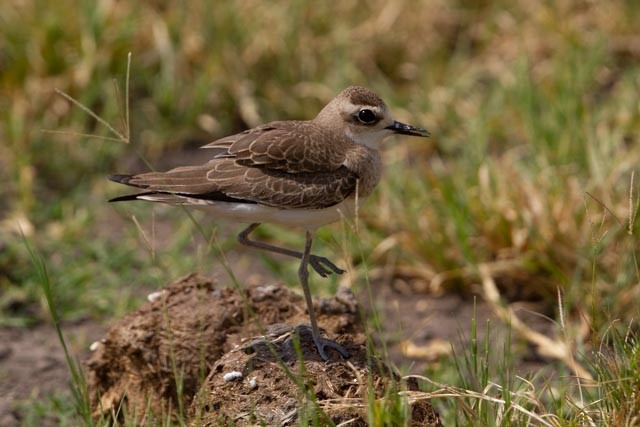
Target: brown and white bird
{"points": [[294, 173]]}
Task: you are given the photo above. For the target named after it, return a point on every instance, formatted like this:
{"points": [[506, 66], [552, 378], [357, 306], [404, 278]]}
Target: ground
{"points": [[418, 331]]}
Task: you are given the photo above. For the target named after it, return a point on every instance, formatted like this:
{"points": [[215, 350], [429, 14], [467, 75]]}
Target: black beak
{"points": [[406, 129]]}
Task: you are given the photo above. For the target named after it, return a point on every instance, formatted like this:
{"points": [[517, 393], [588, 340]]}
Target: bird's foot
{"points": [[323, 266], [322, 343], [279, 340], [275, 335]]}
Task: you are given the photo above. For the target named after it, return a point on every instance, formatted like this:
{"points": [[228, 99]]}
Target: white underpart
{"points": [[368, 139], [308, 219]]}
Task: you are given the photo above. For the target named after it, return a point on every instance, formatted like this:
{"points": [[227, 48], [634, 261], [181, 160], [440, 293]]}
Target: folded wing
{"points": [[292, 146], [274, 165]]}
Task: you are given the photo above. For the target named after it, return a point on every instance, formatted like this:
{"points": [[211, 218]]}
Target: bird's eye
{"points": [[367, 116]]}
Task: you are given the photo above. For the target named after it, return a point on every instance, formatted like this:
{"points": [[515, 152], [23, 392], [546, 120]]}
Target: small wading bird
{"points": [[294, 173]]}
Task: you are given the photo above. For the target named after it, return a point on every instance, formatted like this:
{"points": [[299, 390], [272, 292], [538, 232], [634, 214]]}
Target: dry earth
{"points": [[418, 331]]}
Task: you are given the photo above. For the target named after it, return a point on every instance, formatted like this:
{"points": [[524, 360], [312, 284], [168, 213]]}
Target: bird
{"points": [[293, 173]]}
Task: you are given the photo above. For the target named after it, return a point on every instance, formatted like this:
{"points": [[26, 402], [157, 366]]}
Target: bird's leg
{"points": [[303, 275], [321, 265]]}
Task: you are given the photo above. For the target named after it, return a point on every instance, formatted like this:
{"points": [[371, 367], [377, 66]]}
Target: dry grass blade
{"points": [[148, 242], [90, 112], [81, 134], [445, 391], [546, 346]]}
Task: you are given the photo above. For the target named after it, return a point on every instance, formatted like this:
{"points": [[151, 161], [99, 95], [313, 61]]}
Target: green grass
{"points": [[78, 384], [529, 174]]}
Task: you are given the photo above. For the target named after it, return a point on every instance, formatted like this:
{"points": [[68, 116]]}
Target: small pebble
{"points": [[153, 296], [233, 375], [253, 383]]}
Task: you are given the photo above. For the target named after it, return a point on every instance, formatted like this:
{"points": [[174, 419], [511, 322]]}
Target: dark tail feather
{"points": [[122, 179], [125, 179]]}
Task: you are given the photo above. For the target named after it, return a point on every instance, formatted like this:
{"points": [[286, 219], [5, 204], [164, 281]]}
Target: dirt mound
{"points": [[195, 333], [262, 384]]}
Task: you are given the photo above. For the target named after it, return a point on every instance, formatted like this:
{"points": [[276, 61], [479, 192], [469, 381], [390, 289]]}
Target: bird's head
{"points": [[363, 117]]}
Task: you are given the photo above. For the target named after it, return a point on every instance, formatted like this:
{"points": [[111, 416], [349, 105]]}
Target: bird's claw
{"points": [[323, 266], [321, 343]]}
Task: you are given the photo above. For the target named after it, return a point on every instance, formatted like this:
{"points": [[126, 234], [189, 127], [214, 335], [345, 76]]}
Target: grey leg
{"points": [[321, 265], [303, 275]]}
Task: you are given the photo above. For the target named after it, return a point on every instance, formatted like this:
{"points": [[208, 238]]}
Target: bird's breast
{"points": [[367, 164]]}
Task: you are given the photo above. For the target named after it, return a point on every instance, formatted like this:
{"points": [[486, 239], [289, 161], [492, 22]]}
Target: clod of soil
{"points": [[208, 340]]}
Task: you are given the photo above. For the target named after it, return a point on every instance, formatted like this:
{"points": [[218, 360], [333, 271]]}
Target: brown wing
{"points": [[294, 146], [289, 165], [224, 179]]}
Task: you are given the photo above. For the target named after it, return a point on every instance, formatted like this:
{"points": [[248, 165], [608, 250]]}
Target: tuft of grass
{"points": [[78, 385], [616, 364]]}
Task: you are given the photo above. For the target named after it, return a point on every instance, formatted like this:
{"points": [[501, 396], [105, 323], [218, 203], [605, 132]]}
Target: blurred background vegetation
{"points": [[534, 109]]}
